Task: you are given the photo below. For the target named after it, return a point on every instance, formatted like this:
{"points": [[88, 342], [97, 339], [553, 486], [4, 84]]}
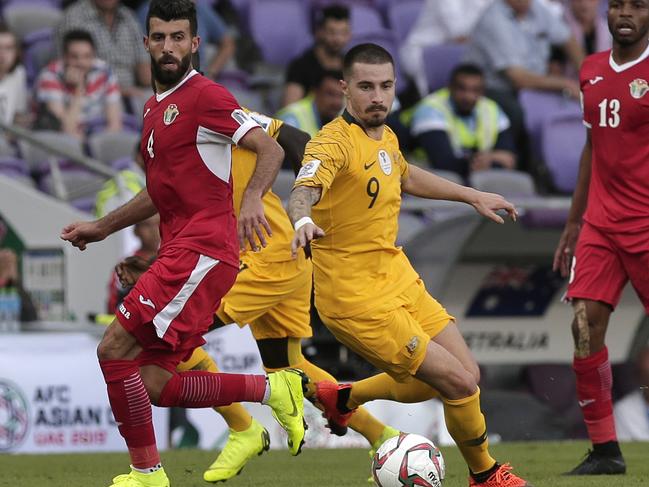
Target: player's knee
{"points": [[107, 350], [459, 385], [474, 370]]}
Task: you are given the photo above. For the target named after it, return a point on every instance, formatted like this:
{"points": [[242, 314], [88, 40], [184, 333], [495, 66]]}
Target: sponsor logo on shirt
{"points": [[639, 88], [308, 170], [385, 162], [170, 114]]}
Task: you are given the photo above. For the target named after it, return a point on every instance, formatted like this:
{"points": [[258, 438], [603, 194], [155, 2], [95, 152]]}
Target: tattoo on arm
{"points": [[582, 333], [301, 201]]}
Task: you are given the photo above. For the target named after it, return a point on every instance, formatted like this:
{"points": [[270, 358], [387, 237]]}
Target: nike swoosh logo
{"points": [[147, 302], [595, 80], [367, 166], [290, 394], [586, 402]]}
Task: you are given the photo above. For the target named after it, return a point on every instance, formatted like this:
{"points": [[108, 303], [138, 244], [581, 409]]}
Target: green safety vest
{"points": [[126, 180], [485, 134], [305, 113]]}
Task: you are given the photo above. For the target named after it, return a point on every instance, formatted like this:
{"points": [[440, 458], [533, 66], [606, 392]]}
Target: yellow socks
{"points": [[467, 426], [382, 386]]}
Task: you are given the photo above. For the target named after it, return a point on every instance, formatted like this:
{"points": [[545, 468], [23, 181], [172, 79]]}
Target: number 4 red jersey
{"points": [[186, 143], [616, 109]]}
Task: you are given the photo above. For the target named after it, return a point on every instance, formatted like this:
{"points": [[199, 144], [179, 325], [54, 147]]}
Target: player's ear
{"points": [[196, 41], [146, 43], [345, 87]]}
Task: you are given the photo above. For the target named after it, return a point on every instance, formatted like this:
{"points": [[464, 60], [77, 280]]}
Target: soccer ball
{"points": [[408, 460]]}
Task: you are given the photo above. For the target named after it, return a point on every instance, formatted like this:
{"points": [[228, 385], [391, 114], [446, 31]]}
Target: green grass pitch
{"points": [[540, 463]]}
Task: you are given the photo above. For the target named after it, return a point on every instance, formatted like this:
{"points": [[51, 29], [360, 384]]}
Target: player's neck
{"points": [[375, 133], [626, 54], [160, 88]]}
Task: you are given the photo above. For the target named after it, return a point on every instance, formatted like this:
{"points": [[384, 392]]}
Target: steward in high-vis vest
{"points": [[460, 129], [319, 108]]}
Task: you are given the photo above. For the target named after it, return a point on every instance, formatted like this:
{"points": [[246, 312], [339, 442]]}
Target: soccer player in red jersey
{"points": [[606, 239], [190, 125]]}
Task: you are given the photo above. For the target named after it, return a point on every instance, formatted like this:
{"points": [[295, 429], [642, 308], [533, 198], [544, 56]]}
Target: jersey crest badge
{"points": [[639, 88], [385, 162], [170, 114]]}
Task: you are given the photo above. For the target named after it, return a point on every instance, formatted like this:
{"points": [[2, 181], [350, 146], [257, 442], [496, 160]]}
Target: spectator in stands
{"points": [[511, 42], [588, 26], [212, 31], [313, 111], [116, 191], [460, 129], [79, 89], [148, 235], [118, 39], [440, 22], [11, 286], [13, 80], [332, 34], [632, 411]]}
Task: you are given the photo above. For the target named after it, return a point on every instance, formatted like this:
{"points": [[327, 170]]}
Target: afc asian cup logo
{"points": [[639, 88], [385, 162], [14, 417], [170, 114]]}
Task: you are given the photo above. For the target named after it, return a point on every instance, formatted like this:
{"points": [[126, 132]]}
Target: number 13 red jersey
{"points": [[616, 109]]}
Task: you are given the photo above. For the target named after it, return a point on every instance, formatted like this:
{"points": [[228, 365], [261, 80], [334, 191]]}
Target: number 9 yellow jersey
{"points": [[357, 263]]}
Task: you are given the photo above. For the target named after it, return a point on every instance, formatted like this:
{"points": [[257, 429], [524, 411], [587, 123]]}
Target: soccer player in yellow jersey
{"points": [[346, 202], [272, 294]]}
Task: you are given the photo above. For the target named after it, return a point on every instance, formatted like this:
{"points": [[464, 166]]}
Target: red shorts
{"points": [[604, 262], [173, 303]]}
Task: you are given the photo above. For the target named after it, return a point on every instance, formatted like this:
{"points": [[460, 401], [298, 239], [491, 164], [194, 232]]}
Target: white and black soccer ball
{"points": [[408, 460]]}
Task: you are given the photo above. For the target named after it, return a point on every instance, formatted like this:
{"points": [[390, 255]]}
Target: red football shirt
{"points": [[616, 109], [187, 148]]}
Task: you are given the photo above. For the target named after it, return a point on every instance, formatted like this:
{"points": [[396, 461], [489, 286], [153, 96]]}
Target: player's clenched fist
{"points": [[303, 235], [80, 234]]}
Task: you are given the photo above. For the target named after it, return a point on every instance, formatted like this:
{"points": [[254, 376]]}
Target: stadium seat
{"points": [[77, 181], [110, 146], [15, 169], [283, 184], [563, 138], [279, 45], [365, 20], [402, 17], [123, 163], [38, 52], [502, 181], [439, 61], [537, 107], [37, 158], [410, 225], [24, 18]]}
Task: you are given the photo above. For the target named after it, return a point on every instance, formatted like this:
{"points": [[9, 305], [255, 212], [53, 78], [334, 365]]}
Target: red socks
{"points": [[594, 383], [132, 410], [199, 389]]}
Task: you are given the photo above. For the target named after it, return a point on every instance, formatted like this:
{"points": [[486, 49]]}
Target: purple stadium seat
{"points": [[23, 18], [562, 140], [365, 20], [13, 165], [38, 48], [402, 16], [538, 106], [279, 45], [439, 61], [122, 163]]}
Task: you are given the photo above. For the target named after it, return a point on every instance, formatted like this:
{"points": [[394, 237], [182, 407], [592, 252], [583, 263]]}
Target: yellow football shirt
{"points": [[357, 265], [243, 166]]}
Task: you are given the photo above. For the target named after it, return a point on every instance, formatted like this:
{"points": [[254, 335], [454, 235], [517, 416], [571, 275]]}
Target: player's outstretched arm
{"points": [[299, 211], [251, 216], [428, 185], [139, 208], [568, 241]]}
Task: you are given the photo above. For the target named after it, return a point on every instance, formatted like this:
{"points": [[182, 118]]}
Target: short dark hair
{"points": [[169, 10], [77, 35], [329, 74], [332, 12], [465, 69], [366, 54]]}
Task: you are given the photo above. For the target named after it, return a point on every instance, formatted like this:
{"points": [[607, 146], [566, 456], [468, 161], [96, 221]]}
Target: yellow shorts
{"points": [[394, 336], [274, 298]]}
